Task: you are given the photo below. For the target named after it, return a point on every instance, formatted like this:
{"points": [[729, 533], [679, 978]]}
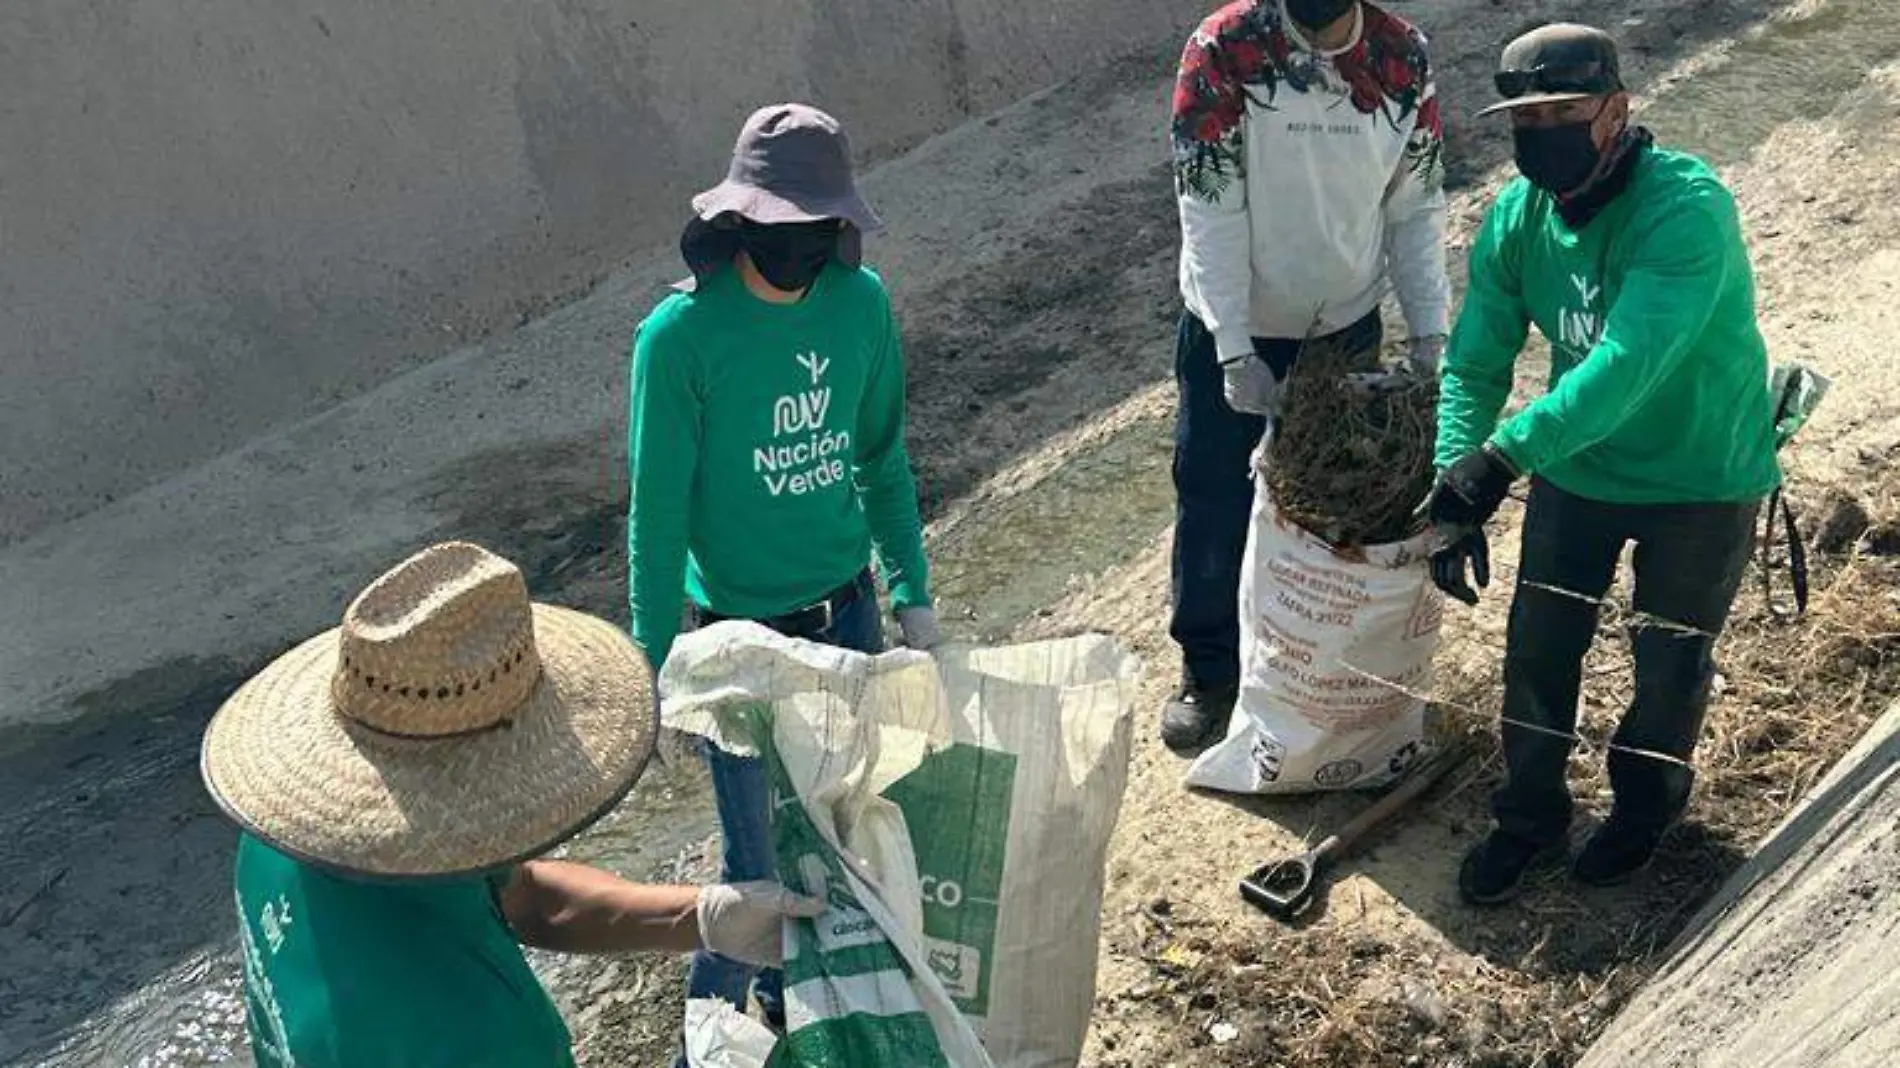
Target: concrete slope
{"points": [[220, 217], [1792, 964], [519, 440]]}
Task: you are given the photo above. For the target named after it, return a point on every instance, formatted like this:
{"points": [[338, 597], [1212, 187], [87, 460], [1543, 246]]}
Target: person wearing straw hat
{"points": [[766, 447], [1657, 430], [396, 779], [1308, 171]]}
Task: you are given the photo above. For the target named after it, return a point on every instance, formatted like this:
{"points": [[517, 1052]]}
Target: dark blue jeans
{"points": [[1688, 564], [1213, 491], [743, 793]]}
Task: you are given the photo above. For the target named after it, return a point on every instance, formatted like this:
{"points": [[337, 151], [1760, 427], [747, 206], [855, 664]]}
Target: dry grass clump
{"points": [[1352, 468], [1791, 695], [1532, 985], [1330, 996], [1799, 695]]}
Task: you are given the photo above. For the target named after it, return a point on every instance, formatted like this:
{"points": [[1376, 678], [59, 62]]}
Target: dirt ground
{"points": [[1041, 403], [1032, 255], [1396, 971]]}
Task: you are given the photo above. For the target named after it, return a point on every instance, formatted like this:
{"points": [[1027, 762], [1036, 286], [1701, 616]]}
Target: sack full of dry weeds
{"points": [[1336, 647]]}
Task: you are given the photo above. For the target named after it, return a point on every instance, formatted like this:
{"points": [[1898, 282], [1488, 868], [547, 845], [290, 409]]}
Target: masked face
{"points": [[790, 256], [1557, 159], [1315, 14]]}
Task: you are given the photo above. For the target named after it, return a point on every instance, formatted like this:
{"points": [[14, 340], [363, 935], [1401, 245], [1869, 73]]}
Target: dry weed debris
{"points": [[1532, 987], [1349, 466]]}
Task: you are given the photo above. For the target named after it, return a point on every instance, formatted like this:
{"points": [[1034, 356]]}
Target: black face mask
{"points": [[1318, 14], [790, 256], [1557, 159]]}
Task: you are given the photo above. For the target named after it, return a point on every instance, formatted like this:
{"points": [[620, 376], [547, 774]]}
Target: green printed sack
{"points": [[954, 810]]}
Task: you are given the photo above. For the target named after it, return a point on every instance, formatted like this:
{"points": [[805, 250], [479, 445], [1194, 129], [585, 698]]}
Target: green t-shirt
{"points": [[766, 453], [340, 973], [1659, 375]]}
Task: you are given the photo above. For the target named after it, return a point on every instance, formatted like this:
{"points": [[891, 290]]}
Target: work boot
{"points": [[1494, 871], [1615, 853], [1197, 716]]}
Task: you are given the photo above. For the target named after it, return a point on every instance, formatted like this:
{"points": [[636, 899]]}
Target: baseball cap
{"points": [[1556, 63]]}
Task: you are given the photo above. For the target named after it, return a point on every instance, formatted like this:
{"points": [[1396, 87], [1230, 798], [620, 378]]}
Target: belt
{"points": [[815, 618]]}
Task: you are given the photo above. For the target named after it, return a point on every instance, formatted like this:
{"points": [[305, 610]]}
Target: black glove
{"points": [[1448, 565], [1469, 492]]}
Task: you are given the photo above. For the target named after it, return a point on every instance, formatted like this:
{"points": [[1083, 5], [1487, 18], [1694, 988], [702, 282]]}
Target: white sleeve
{"points": [[1210, 181], [1217, 266], [1415, 227]]}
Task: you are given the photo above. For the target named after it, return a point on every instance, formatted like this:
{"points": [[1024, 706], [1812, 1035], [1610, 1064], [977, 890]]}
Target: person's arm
{"points": [[572, 908], [1415, 217], [663, 430], [1676, 276], [1476, 377], [1210, 179], [883, 477]]}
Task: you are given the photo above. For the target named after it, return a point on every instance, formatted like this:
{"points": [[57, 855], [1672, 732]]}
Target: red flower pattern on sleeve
{"points": [[1242, 53]]}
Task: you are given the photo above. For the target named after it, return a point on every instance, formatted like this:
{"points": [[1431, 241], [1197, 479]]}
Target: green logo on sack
{"points": [[957, 806]]}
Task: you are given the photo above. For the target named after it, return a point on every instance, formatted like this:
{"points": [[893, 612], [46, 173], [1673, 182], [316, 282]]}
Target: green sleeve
{"points": [[663, 433], [1667, 295], [883, 475], [1482, 353]]}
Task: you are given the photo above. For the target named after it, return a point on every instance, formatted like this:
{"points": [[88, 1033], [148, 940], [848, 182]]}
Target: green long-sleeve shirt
{"points": [[1659, 376], [766, 453]]}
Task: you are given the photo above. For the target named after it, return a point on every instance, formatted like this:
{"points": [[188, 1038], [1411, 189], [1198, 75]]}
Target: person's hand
{"points": [[1467, 548], [919, 627], [1423, 353], [1251, 387], [1470, 491], [746, 921]]}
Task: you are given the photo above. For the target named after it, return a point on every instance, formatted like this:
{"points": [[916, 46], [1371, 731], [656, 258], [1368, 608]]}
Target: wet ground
{"points": [[114, 894], [115, 918]]}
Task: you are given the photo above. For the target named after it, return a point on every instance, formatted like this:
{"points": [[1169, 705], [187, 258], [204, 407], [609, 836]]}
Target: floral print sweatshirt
{"points": [[1307, 178]]}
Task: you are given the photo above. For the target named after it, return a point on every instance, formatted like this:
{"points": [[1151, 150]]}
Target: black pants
{"points": [[1213, 490], [1688, 562]]}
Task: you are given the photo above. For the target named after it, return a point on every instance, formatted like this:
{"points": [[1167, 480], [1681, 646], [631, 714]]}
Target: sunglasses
{"points": [[1574, 78]]}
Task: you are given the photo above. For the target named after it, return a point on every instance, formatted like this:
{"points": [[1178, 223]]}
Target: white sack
{"points": [[1319, 630], [956, 807]]}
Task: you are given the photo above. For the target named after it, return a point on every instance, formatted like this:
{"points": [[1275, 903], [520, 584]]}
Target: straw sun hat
{"points": [[449, 726]]}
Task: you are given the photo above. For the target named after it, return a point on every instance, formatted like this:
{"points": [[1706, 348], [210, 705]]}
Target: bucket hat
{"points": [[791, 164], [449, 726]]}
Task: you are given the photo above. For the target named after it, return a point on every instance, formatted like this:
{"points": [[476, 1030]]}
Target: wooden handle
{"points": [[1402, 795]]}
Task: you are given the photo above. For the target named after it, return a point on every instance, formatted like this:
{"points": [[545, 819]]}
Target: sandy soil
{"points": [[1395, 971], [1032, 255]]}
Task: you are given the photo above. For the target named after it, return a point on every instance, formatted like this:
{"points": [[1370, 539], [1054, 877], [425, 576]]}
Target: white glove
{"points": [[1376, 383], [1392, 378], [1250, 386], [1423, 353], [746, 921], [919, 626]]}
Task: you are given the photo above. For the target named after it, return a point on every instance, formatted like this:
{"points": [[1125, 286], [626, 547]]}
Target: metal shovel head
{"points": [[1282, 888]]}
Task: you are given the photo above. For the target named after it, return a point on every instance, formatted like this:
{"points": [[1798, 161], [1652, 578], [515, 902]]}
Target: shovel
{"points": [[1284, 888]]}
